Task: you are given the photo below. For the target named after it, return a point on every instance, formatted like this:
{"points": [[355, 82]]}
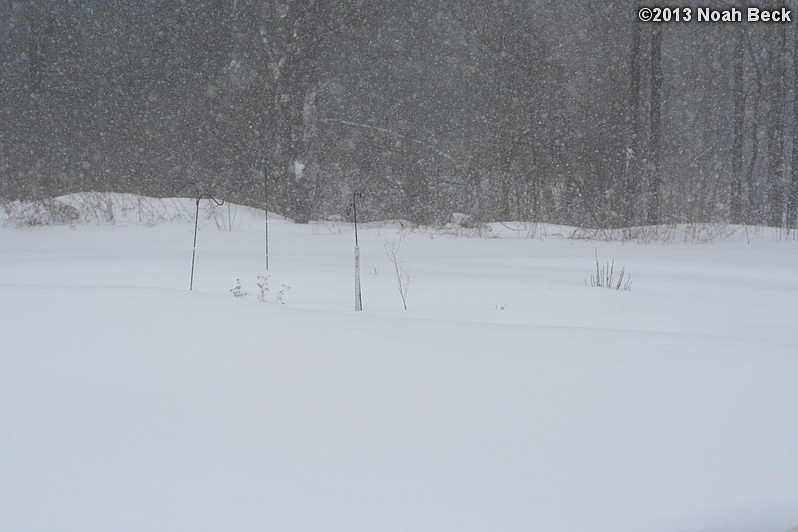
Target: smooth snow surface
{"points": [[509, 397]]}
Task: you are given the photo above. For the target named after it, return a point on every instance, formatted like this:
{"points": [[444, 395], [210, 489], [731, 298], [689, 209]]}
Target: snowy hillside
{"points": [[510, 395]]}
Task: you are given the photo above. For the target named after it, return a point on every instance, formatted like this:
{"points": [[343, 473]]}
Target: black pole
{"points": [[196, 224], [194, 250], [358, 295], [354, 211]]}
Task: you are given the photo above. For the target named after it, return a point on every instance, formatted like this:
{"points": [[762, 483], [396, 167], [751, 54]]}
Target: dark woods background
{"points": [[557, 111]]}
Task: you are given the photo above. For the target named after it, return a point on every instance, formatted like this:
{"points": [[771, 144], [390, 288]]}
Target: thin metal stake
{"points": [[200, 196], [194, 251], [358, 295]]}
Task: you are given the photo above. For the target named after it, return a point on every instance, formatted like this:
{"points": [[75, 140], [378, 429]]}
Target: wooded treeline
{"points": [[553, 111]]}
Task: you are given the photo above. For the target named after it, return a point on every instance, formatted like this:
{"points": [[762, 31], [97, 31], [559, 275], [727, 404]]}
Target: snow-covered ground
{"points": [[509, 396]]}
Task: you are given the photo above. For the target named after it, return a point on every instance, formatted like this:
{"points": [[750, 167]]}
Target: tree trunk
{"points": [[775, 131], [633, 124], [792, 199], [655, 144], [736, 197]]}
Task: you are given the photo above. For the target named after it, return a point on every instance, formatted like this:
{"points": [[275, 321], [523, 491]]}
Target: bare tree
{"points": [[792, 198], [402, 275], [631, 167], [774, 176], [655, 142], [297, 37], [736, 196]]}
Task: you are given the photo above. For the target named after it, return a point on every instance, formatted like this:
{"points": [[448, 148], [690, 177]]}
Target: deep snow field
{"points": [[509, 396]]}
